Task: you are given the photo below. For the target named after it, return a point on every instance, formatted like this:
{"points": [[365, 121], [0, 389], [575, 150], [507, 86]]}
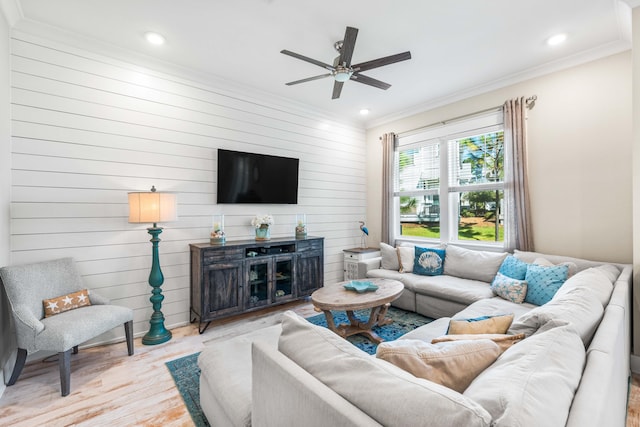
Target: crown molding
{"points": [[632, 3], [12, 11]]}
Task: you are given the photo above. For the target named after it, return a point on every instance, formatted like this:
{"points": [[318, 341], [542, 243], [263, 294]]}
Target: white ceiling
{"points": [[459, 47]]}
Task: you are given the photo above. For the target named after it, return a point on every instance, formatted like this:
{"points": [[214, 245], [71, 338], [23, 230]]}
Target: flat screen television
{"points": [[256, 178]]}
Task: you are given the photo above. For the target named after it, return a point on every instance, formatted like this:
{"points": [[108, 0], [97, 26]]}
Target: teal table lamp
{"points": [[154, 207]]}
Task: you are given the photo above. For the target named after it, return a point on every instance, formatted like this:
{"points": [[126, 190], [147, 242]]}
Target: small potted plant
{"points": [[262, 224]]}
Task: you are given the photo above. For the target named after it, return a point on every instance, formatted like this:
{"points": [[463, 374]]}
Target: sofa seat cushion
{"points": [[226, 367], [385, 392], [450, 288], [429, 331], [516, 388], [578, 307], [381, 273], [492, 307]]}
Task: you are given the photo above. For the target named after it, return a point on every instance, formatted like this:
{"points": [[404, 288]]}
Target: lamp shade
{"points": [[152, 206]]}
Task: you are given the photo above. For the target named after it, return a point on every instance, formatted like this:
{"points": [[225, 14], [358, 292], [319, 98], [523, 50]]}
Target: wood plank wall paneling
{"points": [[87, 129]]}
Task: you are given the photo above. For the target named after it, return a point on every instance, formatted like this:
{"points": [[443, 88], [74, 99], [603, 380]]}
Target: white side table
{"points": [[353, 256]]}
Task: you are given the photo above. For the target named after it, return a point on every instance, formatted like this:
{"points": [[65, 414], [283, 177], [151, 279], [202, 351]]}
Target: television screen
{"points": [[256, 178]]}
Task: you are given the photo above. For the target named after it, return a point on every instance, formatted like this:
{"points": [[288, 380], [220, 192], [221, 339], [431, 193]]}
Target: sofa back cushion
{"points": [[474, 265], [533, 382], [595, 279], [383, 391], [579, 308], [530, 257]]}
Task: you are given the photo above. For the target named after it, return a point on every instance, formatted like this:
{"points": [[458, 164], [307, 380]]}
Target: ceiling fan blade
{"points": [[356, 77], [369, 65], [307, 59], [308, 79], [337, 88], [348, 44]]}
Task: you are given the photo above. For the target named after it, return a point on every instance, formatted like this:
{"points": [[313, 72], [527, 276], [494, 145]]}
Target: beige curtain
{"points": [[517, 233], [389, 141]]}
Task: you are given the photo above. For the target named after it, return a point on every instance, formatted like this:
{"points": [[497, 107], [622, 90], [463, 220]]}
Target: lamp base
{"points": [[153, 338]]}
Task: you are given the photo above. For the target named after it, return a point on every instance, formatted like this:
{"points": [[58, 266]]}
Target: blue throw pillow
{"points": [[428, 261], [543, 282], [514, 268]]}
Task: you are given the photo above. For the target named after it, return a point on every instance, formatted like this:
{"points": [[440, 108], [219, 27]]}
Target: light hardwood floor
{"points": [[108, 388]]}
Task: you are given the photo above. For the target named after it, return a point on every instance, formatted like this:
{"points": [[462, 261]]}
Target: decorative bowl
{"points": [[360, 286]]}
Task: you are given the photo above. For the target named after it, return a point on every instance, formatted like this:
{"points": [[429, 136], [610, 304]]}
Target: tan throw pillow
{"points": [[453, 364], [481, 325], [503, 340], [406, 254], [64, 303]]}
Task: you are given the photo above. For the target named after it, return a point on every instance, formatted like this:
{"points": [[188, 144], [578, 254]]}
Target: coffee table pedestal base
{"points": [[355, 326]]}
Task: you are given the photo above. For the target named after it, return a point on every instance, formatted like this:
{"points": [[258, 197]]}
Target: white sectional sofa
{"points": [[572, 369]]}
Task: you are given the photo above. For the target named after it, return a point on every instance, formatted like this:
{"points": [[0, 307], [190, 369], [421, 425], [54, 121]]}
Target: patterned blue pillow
{"points": [[513, 290], [514, 268], [543, 282], [428, 261]]}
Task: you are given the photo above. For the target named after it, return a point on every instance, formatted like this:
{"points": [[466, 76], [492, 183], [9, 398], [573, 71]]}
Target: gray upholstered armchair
{"points": [[28, 285]]}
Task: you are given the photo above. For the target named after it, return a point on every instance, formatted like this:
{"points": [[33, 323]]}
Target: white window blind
{"points": [[449, 180]]}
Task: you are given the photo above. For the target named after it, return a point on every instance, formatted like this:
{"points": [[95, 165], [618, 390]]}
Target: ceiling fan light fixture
{"points": [[342, 76]]}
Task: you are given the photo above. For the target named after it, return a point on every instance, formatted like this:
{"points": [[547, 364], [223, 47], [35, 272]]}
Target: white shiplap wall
{"points": [[87, 129]]}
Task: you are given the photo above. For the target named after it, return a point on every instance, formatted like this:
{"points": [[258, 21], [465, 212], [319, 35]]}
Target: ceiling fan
{"points": [[342, 69]]}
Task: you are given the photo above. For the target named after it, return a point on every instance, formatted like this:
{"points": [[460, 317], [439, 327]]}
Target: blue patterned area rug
{"points": [[403, 322], [186, 374]]}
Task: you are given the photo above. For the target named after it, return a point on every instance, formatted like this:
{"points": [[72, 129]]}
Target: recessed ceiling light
{"points": [[364, 111], [154, 38], [556, 40]]}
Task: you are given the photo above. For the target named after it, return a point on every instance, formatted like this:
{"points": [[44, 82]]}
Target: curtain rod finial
{"points": [[531, 101]]}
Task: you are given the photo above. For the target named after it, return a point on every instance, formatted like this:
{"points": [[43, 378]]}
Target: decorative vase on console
{"points": [[301, 226], [262, 224], [217, 232]]}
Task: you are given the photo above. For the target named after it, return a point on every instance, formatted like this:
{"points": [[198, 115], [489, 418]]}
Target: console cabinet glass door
{"points": [[259, 273], [284, 278]]}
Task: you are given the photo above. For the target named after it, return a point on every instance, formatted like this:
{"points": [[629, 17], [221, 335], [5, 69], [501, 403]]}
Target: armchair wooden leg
{"points": [[75, 350], [17, 369], [128, 331], [64, 361]]}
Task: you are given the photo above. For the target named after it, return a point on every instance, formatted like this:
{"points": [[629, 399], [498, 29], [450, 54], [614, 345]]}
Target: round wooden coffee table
{"points": [[337, 298]]}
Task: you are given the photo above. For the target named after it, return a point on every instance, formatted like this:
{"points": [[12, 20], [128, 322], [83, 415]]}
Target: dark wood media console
{"points": [[247, 275]]}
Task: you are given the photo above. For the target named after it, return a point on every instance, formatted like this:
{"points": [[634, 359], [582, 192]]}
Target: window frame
{"points": [[449, 195]]}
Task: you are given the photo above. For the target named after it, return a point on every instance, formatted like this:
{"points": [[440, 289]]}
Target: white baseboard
{"points": [[635, 364]]}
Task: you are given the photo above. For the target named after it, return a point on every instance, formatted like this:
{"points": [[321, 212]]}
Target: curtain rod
{"points": [[530, 102]]}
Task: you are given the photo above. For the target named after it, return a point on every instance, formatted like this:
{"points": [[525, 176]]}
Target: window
{"points": [[449, 182]]}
